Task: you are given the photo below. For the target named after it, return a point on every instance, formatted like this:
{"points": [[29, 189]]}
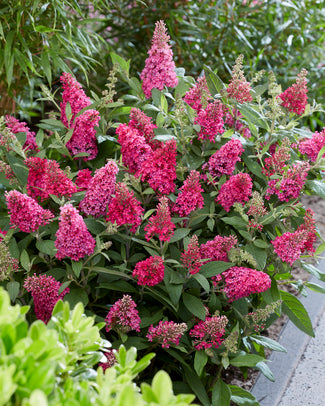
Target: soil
{"points": [[233, 375]]}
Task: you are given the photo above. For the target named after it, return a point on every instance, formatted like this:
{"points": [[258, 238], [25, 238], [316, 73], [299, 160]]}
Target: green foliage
{"points": [[54, 364], [284, 36], [38, 40], [99, 280]]}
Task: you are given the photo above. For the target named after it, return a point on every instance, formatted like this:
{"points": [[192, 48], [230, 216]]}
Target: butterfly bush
{"points": [[45, 292], [179, 224]]}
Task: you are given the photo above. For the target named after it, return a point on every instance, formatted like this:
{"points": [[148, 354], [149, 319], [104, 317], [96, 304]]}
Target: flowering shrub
{"points": [[181, 224], [58, 363]]}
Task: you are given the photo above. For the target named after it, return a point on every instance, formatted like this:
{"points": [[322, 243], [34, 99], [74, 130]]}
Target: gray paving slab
{"points": [[299, 373]]}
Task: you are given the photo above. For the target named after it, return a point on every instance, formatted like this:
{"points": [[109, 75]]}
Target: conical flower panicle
{"points": [[160, 223], [159, 70], [239, 88], [74, 95], [295, 97], [159, 168], [73, 240], [124, 208], [16, 127], [45, 292], [134, 148], [123, 316], [190, 197], [25, 212], [45, 177], [100, 190], [149, 272], [223, 161], [84, 134]]}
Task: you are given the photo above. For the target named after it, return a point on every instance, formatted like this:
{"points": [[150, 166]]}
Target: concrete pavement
{"points": [[299, 373]]}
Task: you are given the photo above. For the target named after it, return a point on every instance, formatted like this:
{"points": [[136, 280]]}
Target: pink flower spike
{"points": [[160, 223], [209, 333], [211, 121], [134, 148], [45, 177], [123, 316], [242, 282], [159, 67], [291, 184], [197, 94], [159, 168], [167, 333], [149, 272], [83, 179], [239, 88], [223, 161], [100, 190], [237, 189], [45, 292], [295, 97], [141, 122], [290, 246], [25, 212], [191, 258], [74, 95], [16, 127], [311, 147], [217, 249], [84, 139], [73, 240], [190, 197], [124, 208]]}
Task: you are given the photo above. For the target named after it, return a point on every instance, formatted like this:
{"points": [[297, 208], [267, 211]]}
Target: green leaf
{"points": [[194, 305], [261, 366], [213, 268], [46, 65], [47, 247], [197, 386], [77, 267], [13, 290], [202, 280], [320, 249], [253, 166], [235, 221], [317, 187], [260, 243], [221, 394], [110, 272], [267, 343], [75, 296], [123, 64], [94, 226], [315, 287], [246, 360], [162, 387], [179, 234], [215, 84], [24, 260], [200, 361], [253, 116], [314, 271], [260, 255], [19, 168], [52, 124], [242, 397], [296, 312], [9, 57]]}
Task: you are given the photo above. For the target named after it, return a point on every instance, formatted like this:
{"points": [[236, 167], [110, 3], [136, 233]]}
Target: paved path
{"points": [[299, 373]]}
